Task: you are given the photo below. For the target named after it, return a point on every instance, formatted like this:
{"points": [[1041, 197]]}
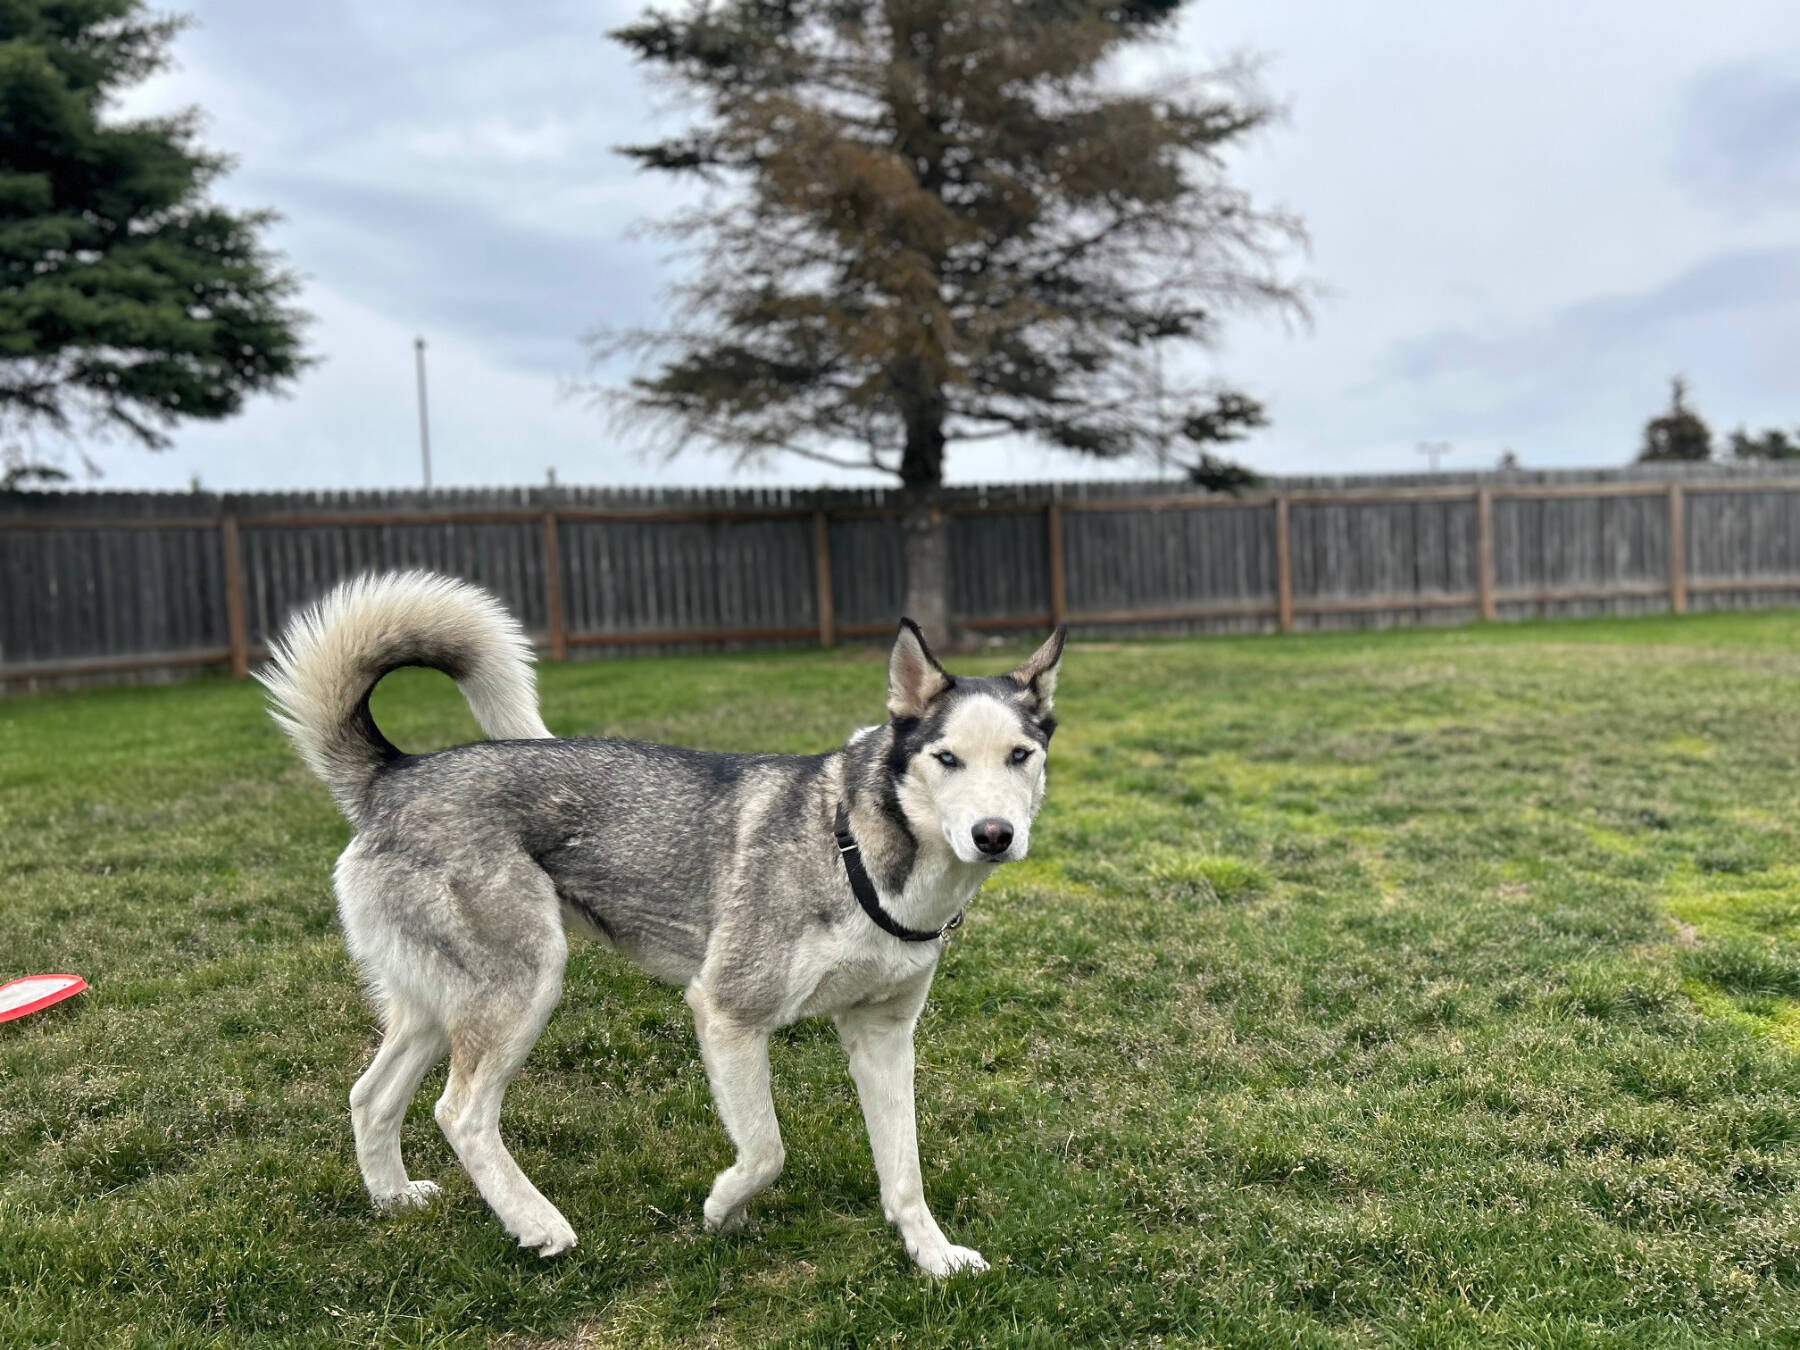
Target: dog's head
{"points": [[968, 753]]}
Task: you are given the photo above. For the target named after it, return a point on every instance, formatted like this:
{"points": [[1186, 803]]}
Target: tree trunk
{"points": [[925, 541], [924, 528]]}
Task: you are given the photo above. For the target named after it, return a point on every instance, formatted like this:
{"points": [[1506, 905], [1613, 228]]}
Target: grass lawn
{"points": [[1424, 988]]}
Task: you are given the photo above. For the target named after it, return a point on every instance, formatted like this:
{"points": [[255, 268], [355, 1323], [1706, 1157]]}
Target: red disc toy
{"points": [[33, 992]]}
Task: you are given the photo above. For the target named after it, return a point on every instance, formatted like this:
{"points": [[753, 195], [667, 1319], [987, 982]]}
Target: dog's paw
{"points": [[724, 1220], [941, 1259], [548, 1236], [414, 1195]]}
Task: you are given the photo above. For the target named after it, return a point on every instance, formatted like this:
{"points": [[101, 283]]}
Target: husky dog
{"points": [[769, 887]]}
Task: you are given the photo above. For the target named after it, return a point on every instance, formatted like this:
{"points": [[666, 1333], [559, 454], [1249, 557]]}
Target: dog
{"points": [[770, 888]]}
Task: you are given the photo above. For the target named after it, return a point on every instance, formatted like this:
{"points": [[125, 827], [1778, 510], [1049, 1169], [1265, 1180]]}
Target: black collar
{"points": [[864, 889]]}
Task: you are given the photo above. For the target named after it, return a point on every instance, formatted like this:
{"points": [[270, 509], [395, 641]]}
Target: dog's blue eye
{"points": [[1020, 755], [948, 760]]}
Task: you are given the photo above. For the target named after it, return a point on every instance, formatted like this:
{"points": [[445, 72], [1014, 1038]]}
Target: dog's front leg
{"points": [[737, 1067], [879, 1041]]}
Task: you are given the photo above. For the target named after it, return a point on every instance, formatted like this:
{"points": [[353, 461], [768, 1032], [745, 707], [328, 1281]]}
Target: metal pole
{"points": [[424, 416]]}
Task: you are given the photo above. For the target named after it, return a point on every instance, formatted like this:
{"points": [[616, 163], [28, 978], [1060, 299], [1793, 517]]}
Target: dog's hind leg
{"points": [[489, 1041], [737, 1067], [413, 1043]]}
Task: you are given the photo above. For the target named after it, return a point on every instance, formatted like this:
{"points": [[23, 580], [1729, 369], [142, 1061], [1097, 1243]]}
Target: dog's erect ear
{"points": [[1037, 677], [914, 675]]}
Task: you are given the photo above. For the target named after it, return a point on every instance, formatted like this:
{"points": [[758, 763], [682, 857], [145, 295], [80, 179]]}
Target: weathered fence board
{"points": [[100, 586]]}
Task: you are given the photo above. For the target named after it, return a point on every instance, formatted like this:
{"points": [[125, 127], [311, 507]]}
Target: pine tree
{"points": [[128, 301], [1678, 434], [937, 221]]}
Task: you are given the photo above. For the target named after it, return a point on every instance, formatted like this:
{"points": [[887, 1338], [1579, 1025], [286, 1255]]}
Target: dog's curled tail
{"points": [[332, 655]]}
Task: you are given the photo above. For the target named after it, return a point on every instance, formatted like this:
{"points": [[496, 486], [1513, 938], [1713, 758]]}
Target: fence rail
{"points": [[112, 594]]}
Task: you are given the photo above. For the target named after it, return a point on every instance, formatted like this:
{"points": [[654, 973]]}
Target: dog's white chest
{"points": [[859, 964], [853, 971]]}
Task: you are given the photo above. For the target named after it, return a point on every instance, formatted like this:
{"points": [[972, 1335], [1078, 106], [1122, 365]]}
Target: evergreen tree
{"points": [[1678, 434], [1769, 445], [938, 221], [128, 301]]}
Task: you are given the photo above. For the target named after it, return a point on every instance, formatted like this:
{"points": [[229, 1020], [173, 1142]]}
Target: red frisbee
{"points": [[32, 992]]}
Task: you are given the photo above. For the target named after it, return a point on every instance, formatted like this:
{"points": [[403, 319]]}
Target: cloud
{"points": [[1594, 331], [1573, 383], [1521, 239], [1739, 144], [447, 165], [526, 294], [493, 138]]}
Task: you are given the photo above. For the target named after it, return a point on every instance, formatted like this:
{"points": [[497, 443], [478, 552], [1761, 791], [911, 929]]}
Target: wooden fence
{"points": [[125, 592]]}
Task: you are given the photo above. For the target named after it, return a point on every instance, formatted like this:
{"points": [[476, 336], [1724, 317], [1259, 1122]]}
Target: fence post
{"points": [[236, 629], [1284, 567], [1484, 551], [553, 592], [822, 579], [1059, 574], [1677, 552]]}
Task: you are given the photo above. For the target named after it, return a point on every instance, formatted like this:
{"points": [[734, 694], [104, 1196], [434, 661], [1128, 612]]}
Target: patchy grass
{"points": [[1428, 988]]}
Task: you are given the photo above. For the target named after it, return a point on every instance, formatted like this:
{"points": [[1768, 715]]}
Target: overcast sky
{"points": [[1525, 216]]}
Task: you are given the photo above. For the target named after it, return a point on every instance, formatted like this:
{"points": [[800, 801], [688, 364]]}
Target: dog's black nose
{"points": [[992, 835]]}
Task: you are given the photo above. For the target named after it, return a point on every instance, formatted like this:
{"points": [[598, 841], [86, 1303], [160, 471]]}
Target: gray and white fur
{"points": [[715, 872]]}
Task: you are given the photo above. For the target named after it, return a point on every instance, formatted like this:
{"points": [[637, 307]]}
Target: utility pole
{"points": [[1433, 452], [424, 416]]}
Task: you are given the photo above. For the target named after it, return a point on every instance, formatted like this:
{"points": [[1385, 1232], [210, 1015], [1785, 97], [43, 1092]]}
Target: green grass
{"points": [[1427, 988]]}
